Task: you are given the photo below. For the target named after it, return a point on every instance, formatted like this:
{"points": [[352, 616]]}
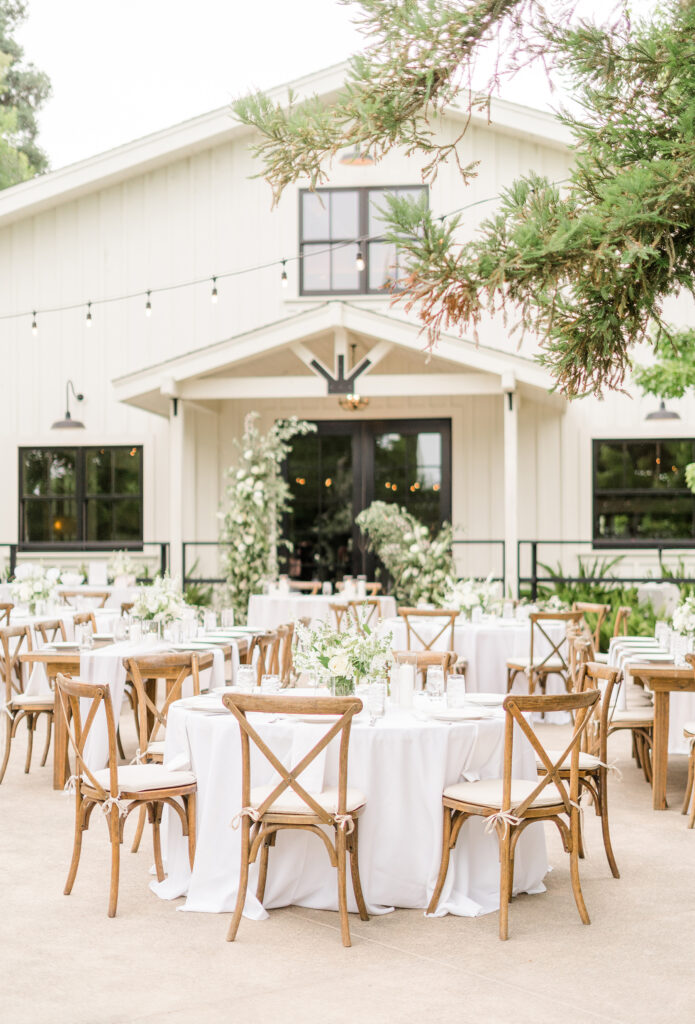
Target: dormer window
{"points": [[337, 226]]}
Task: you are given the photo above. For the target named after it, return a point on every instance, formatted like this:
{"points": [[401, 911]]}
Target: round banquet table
{"points": [[485, 645], [266, 611], [402, 765]]}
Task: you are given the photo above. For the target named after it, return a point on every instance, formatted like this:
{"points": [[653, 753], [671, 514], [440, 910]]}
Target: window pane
{"points": [[50, 522], [99, 477], [383, 270], [315, 215], [99, 520], [35, 471], [126, 520], [344, 214], [61, 472], [62, 521], [36, 515], [126, 470], [316, 269], [344, 273]]}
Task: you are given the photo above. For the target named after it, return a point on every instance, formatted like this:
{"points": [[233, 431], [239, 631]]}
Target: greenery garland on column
{"points": [[257, 497]]}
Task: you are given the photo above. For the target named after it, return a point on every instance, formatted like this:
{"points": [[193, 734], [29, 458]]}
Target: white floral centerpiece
{"points": [[348, 657], [471, 593], [684, 616], [554, 603], [161, 601], [122, 569], [33, 584]]}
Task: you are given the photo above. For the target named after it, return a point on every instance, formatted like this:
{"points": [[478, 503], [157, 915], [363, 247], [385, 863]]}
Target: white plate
{"points": [[459, 715], [193, 645], [102, 636], [65, 645], [203, 702], [486, 700]]}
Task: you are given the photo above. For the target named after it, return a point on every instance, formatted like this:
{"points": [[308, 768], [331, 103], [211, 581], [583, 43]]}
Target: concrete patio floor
{"points": [[64, 961]]}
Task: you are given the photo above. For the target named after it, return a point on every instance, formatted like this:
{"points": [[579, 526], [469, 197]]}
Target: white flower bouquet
{"points": [[33, 584], [471, 593], [162, 601], [684, 616], [347, 657]]}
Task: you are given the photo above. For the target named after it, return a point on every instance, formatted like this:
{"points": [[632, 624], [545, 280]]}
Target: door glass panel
{"points": [[408, 472]]}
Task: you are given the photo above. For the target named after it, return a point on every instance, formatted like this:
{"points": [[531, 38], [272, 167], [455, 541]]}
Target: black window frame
{"points": [[361, 240], [635, 542], [81, 499]]}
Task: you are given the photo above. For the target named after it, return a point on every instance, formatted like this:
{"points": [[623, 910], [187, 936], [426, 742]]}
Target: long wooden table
{"points": [[662, 681]]}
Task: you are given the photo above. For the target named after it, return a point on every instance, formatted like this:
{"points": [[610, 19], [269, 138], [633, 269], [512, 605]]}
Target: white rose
{"points": [[338, 665]]}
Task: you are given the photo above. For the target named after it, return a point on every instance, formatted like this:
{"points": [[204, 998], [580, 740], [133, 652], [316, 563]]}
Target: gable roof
{"points": [[219, 126]]}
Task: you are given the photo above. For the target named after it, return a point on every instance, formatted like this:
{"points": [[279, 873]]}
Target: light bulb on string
{"points": [[213, 293], [283, 276], [34, 325], [88, 318], [359, 260], [148, 306]]}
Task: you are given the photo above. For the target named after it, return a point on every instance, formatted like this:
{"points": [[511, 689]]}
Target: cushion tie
{"points": [[504, 817], [245, 812], [612, 766], [345, 821], [138, 757], [114, 801], [71, 784]]}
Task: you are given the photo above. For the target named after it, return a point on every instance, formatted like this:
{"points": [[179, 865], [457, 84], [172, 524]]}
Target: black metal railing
{"points": [[500, 549], [93, 548], [540, 574]]}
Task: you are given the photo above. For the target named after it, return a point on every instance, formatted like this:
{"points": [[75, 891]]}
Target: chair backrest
{"points": [[5, 612], [364, 611], [96, 598], [344, 707], [174, 670], [282, 665], [580, 649], [267, 645], [85, 619], [339, 611], [622, 618], [539, 634], [594, 676], [70, 692], [373, 588], [518, 710], [600, 611], [50, 629], [429, 659], [127, 606], [15, 640], [306, 586], [415, 618]]}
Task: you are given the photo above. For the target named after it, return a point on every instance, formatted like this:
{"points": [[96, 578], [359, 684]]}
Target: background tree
{"points": [[23, 90], [586, 266]]}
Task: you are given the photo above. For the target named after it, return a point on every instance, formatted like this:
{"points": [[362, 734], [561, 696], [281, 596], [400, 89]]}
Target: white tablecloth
{"points": [[266, 611], [401, 764], [485, 645]]}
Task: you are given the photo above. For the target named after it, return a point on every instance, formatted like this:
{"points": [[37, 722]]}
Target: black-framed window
{"points": [[86, 496], [640, 493], [337, 223]]}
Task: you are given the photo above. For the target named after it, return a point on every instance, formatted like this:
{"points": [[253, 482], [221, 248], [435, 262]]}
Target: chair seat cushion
{"points": [[137, 778], [488, 793], [689, 729], [33, 700], [587, 762], [290, 802], [156, 748], [524, 662], [637, 715]]}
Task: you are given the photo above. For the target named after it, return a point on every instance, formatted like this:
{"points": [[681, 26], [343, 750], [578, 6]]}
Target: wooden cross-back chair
{"points": [[14, 641], [118, 790], [429, 659], [510, 804], [311, 587], [144, 672], [264, 648], [579, 650], [622, 618], [416, 618], [98, 597], [85, 619], [593, 767], [340, 613], [50, 630], [536, 666], [127, 606], [266, 810], [364, 611], [282, 663], [5, 612], [689, 734], [598, 610], [373, 588]]}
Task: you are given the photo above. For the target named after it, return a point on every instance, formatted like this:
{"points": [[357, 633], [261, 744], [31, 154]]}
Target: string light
{"points": [[148, 306], [88, 318], [283, 276], [213, 293], [359, 260]]}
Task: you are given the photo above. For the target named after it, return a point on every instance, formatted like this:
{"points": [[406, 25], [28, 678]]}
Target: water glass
{"points": [[136, 630], [508, 610], [83, 635], [455, 691], [477, 615], [681, 647], [121, 629], [246, 678], [434, 685], [376, 700], [227, 617], [209, 621], [327, 588], [662, 634], [270, 683]]}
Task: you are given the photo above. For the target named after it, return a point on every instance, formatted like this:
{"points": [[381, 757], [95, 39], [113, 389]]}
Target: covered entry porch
{"points": [[447, 435]]}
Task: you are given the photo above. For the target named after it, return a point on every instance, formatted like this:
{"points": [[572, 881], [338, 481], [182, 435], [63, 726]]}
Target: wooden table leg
{"points": [[61, 767], [660, 751]]}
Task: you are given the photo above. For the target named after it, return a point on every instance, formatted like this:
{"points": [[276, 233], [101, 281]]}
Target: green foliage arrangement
{"points": [[23, 91], [585, 267], [421, 567], [257, 498]]}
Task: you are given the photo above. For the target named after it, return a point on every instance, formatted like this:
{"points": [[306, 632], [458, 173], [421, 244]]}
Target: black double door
{"points": [[338, 471]]}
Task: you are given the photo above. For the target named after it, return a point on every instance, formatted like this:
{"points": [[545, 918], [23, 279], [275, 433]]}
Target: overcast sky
{"points": [[124, 68]]}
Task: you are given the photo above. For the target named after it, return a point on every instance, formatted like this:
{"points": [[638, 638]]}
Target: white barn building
{"points": [[472, 434]]}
